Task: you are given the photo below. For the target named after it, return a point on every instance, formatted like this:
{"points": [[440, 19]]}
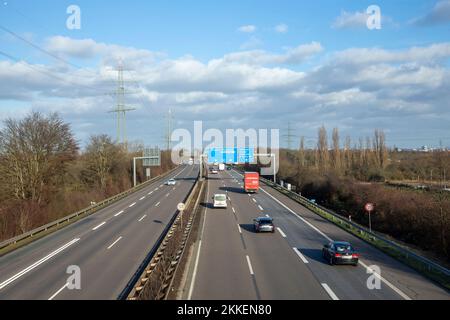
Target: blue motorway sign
{"points": [[231, 155]]}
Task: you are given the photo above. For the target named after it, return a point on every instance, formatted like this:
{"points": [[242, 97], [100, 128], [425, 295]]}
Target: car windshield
{"points": [[220, 198], [265, 221], [343, 248]]}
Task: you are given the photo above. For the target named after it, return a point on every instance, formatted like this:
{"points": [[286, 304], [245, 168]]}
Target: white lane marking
{"points": [[250, 265], [329, 291], [294, 213], [37, 263], [254, 200], [143, 217], [239, 228], [282, 233], [150, 192], [267, 216], [161, 186], [58, 292], [261, 208], [118, 213], [249, 194], [156, 189], [114, 243], [157, 205], [390, 285], [301, 255], [132, 205], [233, 209], [142, 198], [167, 195], [197, 258], [100, 225]]}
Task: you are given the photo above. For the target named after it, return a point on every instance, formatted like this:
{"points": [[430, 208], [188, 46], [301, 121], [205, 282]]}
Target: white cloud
{"points": [[247, 29], [357, 89], [351, 20], [439, 14], [260, 57], [282, 28]]}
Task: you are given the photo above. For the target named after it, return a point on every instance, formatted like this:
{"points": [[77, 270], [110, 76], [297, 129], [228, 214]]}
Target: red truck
{"points": [[251, 182]]}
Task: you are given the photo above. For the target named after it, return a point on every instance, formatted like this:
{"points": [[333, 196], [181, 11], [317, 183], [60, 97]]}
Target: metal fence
{"points": [[85, 212]]}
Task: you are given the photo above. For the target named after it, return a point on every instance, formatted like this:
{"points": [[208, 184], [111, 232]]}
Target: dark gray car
{"points": [[264, 224]]}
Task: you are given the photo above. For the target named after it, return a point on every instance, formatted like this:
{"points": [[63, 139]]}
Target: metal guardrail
{"points": [[88, 211], [416, 261]]}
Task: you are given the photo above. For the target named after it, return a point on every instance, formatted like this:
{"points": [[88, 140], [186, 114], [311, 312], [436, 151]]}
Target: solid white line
{"points": [[239, 228], [34, 265], [112, 245], [250, 265], [301, 255], [282, 233], [390, 285], [157, 205], [197, 258], [294, 213], [142, 198], [118, 213], [58, 292], [329, 291], [100, 225], [261, 208], [132, 205], [143, 217]]}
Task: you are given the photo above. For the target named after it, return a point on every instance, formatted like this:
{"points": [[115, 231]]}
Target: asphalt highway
{"points": [[234, 262], [107, 247]]}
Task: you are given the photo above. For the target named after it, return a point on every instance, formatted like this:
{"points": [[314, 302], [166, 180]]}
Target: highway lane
{"points": [[236, 263], [112, 244], [308, 232], [288, 264]]}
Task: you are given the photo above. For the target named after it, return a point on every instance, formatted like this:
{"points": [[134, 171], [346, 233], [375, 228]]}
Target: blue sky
{"points": [[187, 55]]}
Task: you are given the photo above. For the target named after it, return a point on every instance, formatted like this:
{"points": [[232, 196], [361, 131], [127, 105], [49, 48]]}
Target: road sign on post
{"points": [[152, 157], [181, 207], [231, 155], [369, 207]]}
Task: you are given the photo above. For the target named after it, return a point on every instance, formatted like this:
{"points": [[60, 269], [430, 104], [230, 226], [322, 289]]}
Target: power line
{"points": [[47, 73], [35, 46]]}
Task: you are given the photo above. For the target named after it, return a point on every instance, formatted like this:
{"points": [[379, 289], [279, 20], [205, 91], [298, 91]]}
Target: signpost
{"points": [[231, 155], [152, 158], [181, 207], [369, 207]]}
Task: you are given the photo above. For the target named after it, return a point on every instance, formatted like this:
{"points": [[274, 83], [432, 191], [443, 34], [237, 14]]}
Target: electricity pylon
{"points": [[169, 129], [121, 110]]}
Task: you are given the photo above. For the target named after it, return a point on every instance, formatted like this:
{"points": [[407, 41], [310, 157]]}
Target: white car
{"points": [[220, 201], [171, 182], [214, 171]]}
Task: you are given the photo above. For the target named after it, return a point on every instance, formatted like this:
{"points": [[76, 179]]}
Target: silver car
{"points": [[264, 224], [171, 182]]}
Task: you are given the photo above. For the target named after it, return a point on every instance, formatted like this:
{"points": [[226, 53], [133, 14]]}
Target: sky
{"points": [[232, 64]]}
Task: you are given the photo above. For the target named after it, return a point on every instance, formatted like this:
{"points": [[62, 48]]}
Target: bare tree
{"points": [[380, 149], [102, 156], [33, 154], [322, 147], [336, 155]]}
